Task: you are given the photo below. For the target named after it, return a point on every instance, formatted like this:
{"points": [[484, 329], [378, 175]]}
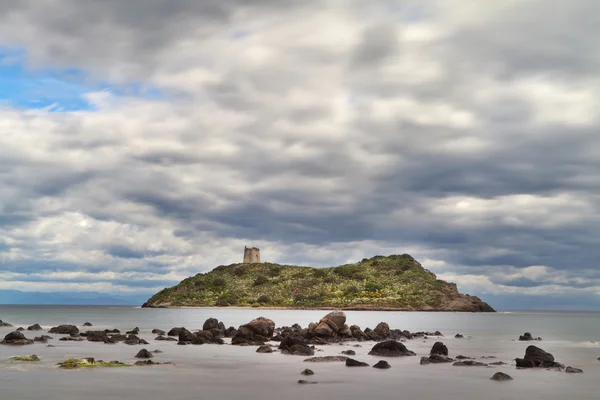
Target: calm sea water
{"points": [[232, 372]]}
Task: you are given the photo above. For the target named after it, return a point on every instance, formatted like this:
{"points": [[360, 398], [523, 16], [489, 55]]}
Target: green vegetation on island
{"points": [[392, 282]]}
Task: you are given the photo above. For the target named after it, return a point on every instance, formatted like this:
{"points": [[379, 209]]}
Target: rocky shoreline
{"points": [[294, 340]]}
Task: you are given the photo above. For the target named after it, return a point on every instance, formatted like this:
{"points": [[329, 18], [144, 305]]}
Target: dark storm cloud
{"points": [[473, 140]]}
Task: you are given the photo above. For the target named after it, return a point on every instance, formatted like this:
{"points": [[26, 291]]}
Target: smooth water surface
{"points": [[232, 372]]}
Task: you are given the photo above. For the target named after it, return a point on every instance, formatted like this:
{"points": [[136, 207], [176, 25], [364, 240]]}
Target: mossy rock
{"points": [[32, 357], [75, 363]]}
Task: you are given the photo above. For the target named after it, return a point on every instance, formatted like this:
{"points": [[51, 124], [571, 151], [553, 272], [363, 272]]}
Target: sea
{"points": [[234, 372]]}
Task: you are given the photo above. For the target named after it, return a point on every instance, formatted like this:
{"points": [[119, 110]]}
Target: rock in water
{"points": [[16, 338], [211, 323], [469, 363], [307, 372], [571, 370], [350, 362], [501, 376], [34, 327], [255, 332], [382, 329], [536, 357], [439, 348], [382, 365], [458, 336], [390, 348], [65, 330], [144, 354], [527, 337], [4, 324], [349, 352], [158, 332], [264, 349], [87, 324], [326, 359], [335, 319], [435, 359], [302, 381]]}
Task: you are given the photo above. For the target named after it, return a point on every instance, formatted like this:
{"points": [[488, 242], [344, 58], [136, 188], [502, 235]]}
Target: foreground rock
{"points": [[527, 337], [30, 358], [144, 354], [350, 362], [34, 327], [65, 330], [264, 349], [16, 338], [256, 332], [571, 370], [382, 365], [90, 362], [501, 376], [537, 358], [390, 348]]}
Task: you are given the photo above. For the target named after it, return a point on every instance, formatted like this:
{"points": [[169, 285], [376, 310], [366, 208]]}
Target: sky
{"points": [[144, 141]]}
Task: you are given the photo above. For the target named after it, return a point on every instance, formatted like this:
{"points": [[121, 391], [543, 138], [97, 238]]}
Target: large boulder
{"points": [[382, 329], [65, 330], [439, 348], [256, 332], [390, 348], [185, 336], [211, 323], [175, 331], [16, 338], [335, 319], [537, 358], [34, 327]]}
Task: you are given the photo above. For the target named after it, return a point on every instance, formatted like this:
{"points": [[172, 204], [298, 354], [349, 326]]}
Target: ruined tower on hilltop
{"points": [[251, 255]]}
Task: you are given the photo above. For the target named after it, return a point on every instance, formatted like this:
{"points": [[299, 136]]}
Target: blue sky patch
{"points": [[54, 89]]}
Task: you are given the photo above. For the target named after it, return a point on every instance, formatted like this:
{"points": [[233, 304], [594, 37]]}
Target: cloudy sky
{"points": [[144, 141]]}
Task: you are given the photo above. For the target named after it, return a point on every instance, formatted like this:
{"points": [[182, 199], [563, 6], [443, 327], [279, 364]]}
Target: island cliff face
{"points": [[396, 282]]}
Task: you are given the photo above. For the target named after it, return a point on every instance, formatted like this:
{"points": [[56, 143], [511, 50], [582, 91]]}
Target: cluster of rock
{"points": [[212, 332], [527, 337], [16, 338], [112, 336], [538, 358]]}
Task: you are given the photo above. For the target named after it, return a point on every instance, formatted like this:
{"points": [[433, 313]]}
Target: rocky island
{"points": [[396, 282]]}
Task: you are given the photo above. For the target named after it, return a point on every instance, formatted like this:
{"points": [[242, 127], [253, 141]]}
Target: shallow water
{"points": [[232, 372]]}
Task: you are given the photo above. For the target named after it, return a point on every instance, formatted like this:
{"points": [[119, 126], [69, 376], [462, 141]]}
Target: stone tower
{"points": [[251, 255]]}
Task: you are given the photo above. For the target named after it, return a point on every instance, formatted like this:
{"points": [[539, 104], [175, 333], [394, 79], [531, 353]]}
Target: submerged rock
{"points": [[302, 381], [264, 349], [350, 362], [469, 363], [151, 362], [435, 359], [501, 376], [326, 359], [390, 348], [158, 332], [382, 365], [571, 370], [32, 357]]}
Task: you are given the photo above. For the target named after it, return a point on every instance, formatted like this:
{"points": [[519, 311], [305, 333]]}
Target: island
{"points": [[394, 283]]}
